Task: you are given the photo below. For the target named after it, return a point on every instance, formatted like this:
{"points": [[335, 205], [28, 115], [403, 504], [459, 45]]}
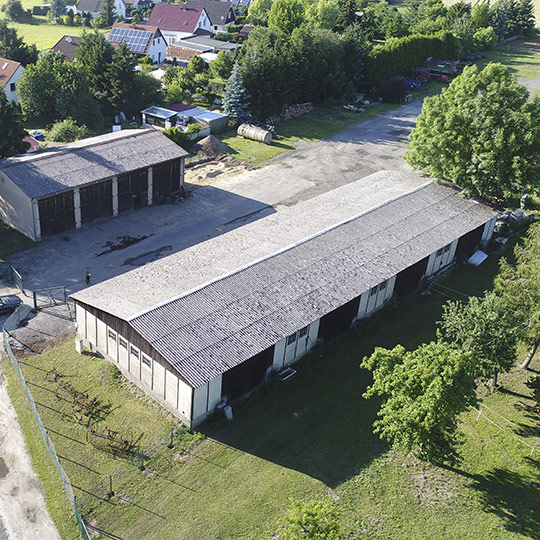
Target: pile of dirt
{"points": [[211, 146]]}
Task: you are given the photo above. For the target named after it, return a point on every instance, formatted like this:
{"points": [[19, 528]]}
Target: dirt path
{"points": [[23, 513]]}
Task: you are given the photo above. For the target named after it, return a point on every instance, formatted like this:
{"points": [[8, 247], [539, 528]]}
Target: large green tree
{"points": [[323, 13], [58, 89], [481, 133], [120, 75], [424, 392], [95, 53], [13, 47], [107, 15], [519, 286], [258, 11], [286, 15], [13, 133], [485, 327]]}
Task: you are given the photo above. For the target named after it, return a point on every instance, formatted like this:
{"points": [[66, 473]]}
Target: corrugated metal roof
{"points": [[89, 160], [207, 332]]}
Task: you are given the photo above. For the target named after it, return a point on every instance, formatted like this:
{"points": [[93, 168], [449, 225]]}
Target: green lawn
{"points": [[307, 437], [43, 33], [321, 123], [12, 241], [520, 63]]}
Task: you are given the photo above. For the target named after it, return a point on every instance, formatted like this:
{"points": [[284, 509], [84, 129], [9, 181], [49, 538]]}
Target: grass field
{"points": [[307, 437]]}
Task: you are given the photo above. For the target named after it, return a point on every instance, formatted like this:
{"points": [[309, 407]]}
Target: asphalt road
{"points": [[371, 145]]}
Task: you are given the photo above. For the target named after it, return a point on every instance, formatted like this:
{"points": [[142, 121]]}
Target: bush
{"points": [[534, 384], [146, 61], [234, 28], [222, 36], [193, 128], [394, 89], [178, 136], [67, 131], [485, 38]]}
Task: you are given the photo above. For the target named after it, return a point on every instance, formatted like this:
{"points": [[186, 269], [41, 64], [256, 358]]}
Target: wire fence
{"points": [[47, 440], [534, 446]]}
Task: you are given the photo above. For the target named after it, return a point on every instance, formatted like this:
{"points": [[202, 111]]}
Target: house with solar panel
{"points": [[178, 21], [206, 325], [94, 7], [141, 40]]}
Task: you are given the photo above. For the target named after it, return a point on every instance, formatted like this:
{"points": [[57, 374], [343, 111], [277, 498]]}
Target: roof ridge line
{"points": [[278, 252]]}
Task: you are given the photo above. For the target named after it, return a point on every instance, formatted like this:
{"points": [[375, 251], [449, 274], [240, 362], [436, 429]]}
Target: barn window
{"points": [[382, 286], [146, 361], [374, 290], [291, 339], [303, 332], [123, 343], [112, 335], [134, 351]]}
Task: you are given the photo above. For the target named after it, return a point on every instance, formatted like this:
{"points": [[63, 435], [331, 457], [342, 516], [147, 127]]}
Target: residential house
{"points": [[142, 40], [67, 186], [94, 7], [180, 21], [139, 4], [10, 73], [67, 47], [221, 14], [206, 325]]}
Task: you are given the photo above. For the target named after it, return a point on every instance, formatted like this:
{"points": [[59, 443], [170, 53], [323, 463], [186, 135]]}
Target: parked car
{"points": [[9, 303]]}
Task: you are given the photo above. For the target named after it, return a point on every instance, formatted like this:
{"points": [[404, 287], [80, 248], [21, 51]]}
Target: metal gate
{"points": [[16, 279], [51, 296]]}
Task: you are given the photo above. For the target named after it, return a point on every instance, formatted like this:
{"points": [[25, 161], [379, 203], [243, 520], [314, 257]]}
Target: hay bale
{"points": [[211, 146]]}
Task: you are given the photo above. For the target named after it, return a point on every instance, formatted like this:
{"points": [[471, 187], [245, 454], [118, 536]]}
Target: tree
{"points": [[59, 89], [314, 520], [13, 47], [58, 8], [222, 65], [519, 287], [67, 131], [424, 393], [258, 11], [107, 15], [236, 98], [13, 133], [484, 327], [120, 75], [480, 133], [14, 10], [286, 15], [393, 89], [95, 53], [197, 64], [324, 14], [347, 13], [480, 15], [146, 91]]}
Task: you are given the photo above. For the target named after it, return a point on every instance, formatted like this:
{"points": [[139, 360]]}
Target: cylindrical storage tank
{"points": [[254, 133]]}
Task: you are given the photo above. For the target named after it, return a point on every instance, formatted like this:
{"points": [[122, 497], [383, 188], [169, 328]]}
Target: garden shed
{"points": [[257, 298]]}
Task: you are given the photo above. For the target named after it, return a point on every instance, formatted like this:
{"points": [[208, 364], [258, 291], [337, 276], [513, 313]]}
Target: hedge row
{"points": [[401, 56]]}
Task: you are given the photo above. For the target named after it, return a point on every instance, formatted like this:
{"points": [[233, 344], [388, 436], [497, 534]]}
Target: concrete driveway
{"points": [[371, 145]]}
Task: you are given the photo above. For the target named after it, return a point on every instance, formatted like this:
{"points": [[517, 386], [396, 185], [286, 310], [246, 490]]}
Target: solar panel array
{"points": [[136, 40]]}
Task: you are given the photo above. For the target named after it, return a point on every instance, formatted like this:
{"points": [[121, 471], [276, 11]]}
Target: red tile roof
{"points": [[175, 17], [7, 70]]}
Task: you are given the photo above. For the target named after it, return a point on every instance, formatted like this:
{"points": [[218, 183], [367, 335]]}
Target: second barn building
{"points": [[208, 324]]}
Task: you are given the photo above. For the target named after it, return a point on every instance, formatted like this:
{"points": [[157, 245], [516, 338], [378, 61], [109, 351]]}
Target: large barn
{"points": [[67, 186], [207, 324]]}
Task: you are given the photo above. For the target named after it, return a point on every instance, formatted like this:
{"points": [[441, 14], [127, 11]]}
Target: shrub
{"points": [[67, 131], [146, 61], [178, 136], [534, 384], [485, 38]]}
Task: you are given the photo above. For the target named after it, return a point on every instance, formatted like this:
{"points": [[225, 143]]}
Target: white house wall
{"points": [[154, 379], [12, 94], [489, 227], [375, 298], [158, 49], [16, 208]]}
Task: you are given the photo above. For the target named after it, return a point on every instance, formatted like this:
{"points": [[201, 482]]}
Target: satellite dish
{"points": [[68, 39]]}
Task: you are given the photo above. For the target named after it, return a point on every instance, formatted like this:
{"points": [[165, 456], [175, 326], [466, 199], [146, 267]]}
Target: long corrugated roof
{"points": [[241, 311], [89, 160]]}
